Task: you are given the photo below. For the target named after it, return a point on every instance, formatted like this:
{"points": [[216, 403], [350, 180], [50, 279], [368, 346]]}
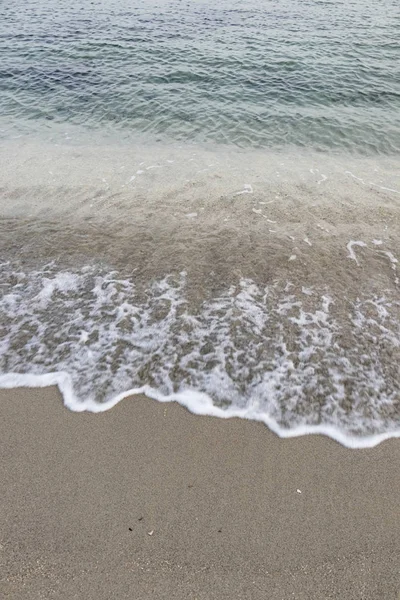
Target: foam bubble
{"points": [[352, 254], [299, 362]]}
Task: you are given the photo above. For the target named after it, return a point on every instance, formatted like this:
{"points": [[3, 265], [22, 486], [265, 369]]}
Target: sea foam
{"points": [[300, 360]]}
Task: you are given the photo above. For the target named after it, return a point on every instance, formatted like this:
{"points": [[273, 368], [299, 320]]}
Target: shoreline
{"points": [[235, 511], [197, 403]]}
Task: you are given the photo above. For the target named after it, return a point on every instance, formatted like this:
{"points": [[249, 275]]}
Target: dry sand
{"points": [[149, 501]]}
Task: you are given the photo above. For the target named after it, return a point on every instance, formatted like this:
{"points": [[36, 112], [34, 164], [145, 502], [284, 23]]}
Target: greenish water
{"points": [[317, 74]]}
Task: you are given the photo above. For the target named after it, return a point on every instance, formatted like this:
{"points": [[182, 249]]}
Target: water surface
{"points": [[201, 201], [319, 74]]}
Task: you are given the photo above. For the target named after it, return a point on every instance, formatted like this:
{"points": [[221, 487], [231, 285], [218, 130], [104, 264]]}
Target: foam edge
{"points": [[196, 402]]}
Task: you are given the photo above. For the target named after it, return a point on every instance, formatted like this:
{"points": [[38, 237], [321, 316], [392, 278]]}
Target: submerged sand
{"points": [[267, 280], [149, 501]]}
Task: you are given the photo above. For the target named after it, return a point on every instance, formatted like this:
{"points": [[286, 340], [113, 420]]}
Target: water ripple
{"points": [[315, 74]]}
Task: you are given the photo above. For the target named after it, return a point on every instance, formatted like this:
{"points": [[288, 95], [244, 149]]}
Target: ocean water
{"points": [[316, 74], [202, 203]]}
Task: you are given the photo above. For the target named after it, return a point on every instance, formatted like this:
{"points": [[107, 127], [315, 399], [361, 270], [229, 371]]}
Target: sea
{"points": [[200, 202]]}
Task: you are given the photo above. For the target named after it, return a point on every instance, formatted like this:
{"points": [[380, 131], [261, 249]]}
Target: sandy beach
{"points": [[200, 203], [149, 501]]}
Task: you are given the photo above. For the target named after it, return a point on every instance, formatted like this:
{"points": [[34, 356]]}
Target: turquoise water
{"points": [[317, 74]]}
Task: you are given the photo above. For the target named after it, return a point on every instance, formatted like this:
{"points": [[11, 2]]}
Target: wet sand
{"points": [[149, 501]]}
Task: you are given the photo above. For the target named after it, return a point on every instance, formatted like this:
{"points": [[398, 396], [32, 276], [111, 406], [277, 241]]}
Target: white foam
{"points": [[323, 177], [307, 291], [248, 189], [373, 184], [393, 263], [259, 354], [196, 402], [352, 254]]}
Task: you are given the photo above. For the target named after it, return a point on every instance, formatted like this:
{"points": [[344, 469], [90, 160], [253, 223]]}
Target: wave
{"points": [[270, 76], [197, 403], [298, 360]]}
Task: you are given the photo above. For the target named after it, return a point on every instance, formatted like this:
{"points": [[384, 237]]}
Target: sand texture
{"points": [[149, 501]]}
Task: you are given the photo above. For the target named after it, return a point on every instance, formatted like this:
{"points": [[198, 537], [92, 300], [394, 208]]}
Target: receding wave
{"points": [[301, 360], [248, 284]]}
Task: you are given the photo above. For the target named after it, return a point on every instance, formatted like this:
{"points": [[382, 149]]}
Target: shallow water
{"points": [[203, 203]]}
